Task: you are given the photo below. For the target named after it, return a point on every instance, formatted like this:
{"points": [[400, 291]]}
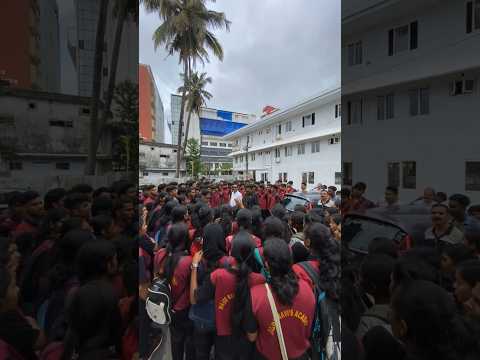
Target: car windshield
{"points": [[358, 232], [291, 201]]}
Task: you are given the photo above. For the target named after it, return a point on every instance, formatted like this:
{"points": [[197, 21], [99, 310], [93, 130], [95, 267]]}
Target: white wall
{"points": [[324, 163], [439, 142]]}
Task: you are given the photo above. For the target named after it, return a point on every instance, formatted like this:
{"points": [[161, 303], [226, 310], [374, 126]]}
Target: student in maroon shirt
{"points": [[295, 304], [177, 271], [230, 290], [244, 222], [263, 201], [225, 195], [212, 257]]}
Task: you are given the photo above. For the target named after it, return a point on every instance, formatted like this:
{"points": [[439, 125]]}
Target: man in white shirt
{"points": [[325, 201], [236, 195]]}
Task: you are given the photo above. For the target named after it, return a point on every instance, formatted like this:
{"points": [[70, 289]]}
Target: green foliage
{"points": [[194, 165], [126, 128]]}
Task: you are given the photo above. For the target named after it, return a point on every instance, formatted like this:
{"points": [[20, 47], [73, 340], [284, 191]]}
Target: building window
{"points": [[213, 143], [204, 143], [81, 44], [85, 111], [472, 176], [473, 15], [355, 112], [334, 140], [229, 145], [241, 159], [308, 120], [311, 177], [347, 173], [61, 123], [393, 174], [355, 54], [304, 177], [267, 130], [385, 107], [145, 173], [403, 38], [164, 173], [252, 156], [288, 151], [338, 110], [279, 129], [62, 166], [16, 165], [285, 177], [280, 176], [315, 147], [461, 87], [338, 178], [409, 175], [277, 153], [288, 126], [236, 159], [223, 145], [419, 101], [301, 149]]}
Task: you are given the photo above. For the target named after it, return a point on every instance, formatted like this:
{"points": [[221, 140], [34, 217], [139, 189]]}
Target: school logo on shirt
{"points": [[303, 318], [225, 300]]}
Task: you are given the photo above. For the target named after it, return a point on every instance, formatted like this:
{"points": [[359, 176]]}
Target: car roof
{"points": [[308, 196], [410, 219]]}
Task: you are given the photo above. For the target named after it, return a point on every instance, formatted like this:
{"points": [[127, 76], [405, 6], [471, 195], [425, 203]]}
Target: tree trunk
{"points": [[186, 132], [180, 123], [122, 15], [97, 76]]}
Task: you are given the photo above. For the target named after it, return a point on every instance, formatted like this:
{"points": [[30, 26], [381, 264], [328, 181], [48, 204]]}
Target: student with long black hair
{"points": [[177, 272], [229, 287], [213, 256], [294, 301], [244, 222]]}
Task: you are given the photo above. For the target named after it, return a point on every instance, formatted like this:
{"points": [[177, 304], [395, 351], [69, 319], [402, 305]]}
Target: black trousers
{"points": [[233, 348], [181, 331], [258, 356], [204, 341]]}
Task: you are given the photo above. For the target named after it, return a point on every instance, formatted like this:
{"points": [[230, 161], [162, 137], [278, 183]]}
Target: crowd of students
{"points": [[422, 303], [68, 274], [217, 245]]}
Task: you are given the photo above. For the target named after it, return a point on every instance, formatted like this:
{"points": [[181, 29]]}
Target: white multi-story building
{"points": [[411, 96], [300, 143]]}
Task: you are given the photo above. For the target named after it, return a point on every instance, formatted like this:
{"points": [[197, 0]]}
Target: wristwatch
{"points": [[194, 266]]}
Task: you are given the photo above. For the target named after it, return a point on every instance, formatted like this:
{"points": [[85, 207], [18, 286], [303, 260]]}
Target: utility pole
{"points": [[246, 155]]}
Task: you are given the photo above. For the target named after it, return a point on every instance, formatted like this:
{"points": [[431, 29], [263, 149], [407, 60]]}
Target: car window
{"points": [[358, 232], [290, 202]]}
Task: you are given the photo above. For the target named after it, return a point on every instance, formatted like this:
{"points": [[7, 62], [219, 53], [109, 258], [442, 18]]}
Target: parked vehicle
{"points": [[308, 200]]}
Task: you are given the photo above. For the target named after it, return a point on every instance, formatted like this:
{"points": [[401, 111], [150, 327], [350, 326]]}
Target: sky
{"points": [[276, 53]]}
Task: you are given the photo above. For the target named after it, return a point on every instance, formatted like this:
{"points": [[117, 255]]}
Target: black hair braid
{"points": [[242, 292], [285, 287]]}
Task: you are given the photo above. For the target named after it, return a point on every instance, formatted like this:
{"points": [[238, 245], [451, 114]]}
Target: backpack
{"points": [[159, 302], [325, 338], [203, 314]]}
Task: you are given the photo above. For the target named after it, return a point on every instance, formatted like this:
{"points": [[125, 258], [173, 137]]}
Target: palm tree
{"points": [[122, 9], [196, 96], [185, 30]]}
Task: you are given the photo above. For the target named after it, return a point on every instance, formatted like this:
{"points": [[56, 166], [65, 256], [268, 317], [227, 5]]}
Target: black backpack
{"points": [[326, 321], [159, 302]]}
